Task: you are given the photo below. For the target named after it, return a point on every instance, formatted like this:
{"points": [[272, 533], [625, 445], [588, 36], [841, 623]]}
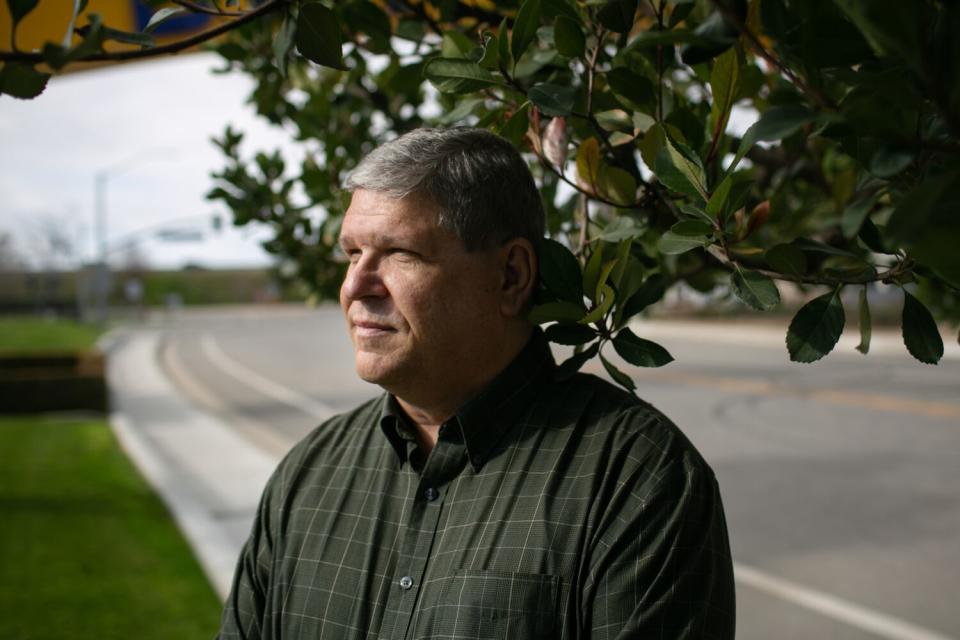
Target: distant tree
{"points": [[10, 260], [850, 176]]}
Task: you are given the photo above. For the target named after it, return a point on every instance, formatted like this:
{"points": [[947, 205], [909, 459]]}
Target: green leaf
{"points": [[786, 259], [674, 244], [515, 129], [506, 58], [233, 51], [692, 228], [452, 75], [651, 144], [555, 8], [161, 16], [920, 333], [318, 36], [455, 45], [854, 215], [569, 334], [569, 37], [775, 123], [889, 160], [19, 9], [618, 376], [283, 43], [591, 272], [890, 28], [617, 15], [650, 291], [640, 352], [588, 163], [618, 185], [606, 297], [621, 228], [491, 53], [865, 323], [560, 271], [755, 289], [623, 258], [553, 99], [525, 27], [816, 328], [22, 81], [365, 17], [634, 90], [681, 170], [870, 235], [572, 364], [556, 312], [926, 223], [605, 272], [655, 38], [725, 85]]}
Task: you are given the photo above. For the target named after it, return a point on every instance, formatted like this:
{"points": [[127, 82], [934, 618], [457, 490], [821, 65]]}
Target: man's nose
{"points": [[363, 280]]}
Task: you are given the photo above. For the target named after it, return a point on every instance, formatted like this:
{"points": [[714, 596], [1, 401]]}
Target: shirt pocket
{"points": [[478, 605]]}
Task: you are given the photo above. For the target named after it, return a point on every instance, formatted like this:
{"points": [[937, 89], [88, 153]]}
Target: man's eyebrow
{"points": [[381, 240]]}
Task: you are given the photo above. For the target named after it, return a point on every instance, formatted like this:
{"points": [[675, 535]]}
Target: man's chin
{"points": [[374, 369]]}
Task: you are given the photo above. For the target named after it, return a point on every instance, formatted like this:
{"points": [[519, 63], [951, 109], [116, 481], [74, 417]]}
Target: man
{"points": [[480, 496]]}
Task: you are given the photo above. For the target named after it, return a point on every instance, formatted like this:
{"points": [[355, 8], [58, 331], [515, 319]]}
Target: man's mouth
{"points": [[369, 328]]}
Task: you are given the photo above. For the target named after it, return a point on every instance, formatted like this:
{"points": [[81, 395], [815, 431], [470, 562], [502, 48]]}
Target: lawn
{"points": [[86, 549], [35, 333]]}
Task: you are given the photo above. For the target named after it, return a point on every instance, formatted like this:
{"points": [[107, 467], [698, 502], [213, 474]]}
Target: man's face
{"points": [[420, 309]]}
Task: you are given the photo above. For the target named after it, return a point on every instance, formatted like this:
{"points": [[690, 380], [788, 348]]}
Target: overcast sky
{"points": [[156, 118]]}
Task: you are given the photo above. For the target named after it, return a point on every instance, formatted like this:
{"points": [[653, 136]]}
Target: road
{"points": [[840, 478]]}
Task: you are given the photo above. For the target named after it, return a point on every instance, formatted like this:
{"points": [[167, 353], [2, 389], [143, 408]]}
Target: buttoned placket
{"points": [[425, 507]]}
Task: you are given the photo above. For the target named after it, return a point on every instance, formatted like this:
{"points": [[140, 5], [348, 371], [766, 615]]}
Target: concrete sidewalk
{"points": [[209, 477]]}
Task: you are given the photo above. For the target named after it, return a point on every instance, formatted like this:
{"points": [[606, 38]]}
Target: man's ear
{"points": [[519, 276]]}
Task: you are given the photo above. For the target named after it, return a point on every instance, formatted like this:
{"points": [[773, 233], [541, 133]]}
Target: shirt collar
{"points": [[486, 417]]}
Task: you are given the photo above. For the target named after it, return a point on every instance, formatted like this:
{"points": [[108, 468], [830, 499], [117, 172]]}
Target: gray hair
{"points": [[479, 181]]}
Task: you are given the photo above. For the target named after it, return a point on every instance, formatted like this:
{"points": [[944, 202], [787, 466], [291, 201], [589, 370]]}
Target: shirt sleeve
{"points": [[661, 568], [243, 614]]}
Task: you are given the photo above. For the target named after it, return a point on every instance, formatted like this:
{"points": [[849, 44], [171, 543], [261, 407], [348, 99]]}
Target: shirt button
{"points": [[431, 494], [406, 582]]}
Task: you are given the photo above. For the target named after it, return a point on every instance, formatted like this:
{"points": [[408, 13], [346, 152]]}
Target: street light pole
{"points": [[100, 178]]}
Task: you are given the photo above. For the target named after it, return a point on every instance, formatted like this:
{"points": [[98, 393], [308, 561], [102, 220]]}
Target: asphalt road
{"points": [[840, 478]]}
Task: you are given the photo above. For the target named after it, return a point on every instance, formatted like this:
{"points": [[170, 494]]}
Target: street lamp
{"points": [[100, 179]]}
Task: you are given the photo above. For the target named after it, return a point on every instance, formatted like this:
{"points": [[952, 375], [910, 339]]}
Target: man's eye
{"points": [[403, 254]]}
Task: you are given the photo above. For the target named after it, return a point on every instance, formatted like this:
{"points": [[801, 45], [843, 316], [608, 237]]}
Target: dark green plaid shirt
{"points": [[548, 509]]}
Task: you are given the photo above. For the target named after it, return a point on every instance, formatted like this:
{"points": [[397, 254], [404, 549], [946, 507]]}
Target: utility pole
{"points": [[101, 288]]}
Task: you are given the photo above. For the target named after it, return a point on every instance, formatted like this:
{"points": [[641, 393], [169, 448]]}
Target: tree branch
{"points": [[173, 47], [199, 8], [881, 276]]}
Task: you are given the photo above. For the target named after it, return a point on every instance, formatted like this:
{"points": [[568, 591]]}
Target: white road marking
{"points": [[854, 615], [879, 624], [251, 378]]}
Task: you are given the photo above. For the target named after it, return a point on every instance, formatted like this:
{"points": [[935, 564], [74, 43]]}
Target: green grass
{"points": [[34, 333], [86, 549]]}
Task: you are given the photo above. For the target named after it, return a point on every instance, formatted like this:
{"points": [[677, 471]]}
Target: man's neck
{"points": [[429, 414]]}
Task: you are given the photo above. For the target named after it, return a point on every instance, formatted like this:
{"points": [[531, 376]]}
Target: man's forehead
{"points": [[381, 217]]}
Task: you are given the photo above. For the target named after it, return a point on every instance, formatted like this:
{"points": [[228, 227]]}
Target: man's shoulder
{"points": [[632, 434], [340, 431]]}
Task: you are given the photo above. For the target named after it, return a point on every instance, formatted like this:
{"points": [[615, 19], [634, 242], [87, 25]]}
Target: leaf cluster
{"points": [[629, 113]]}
